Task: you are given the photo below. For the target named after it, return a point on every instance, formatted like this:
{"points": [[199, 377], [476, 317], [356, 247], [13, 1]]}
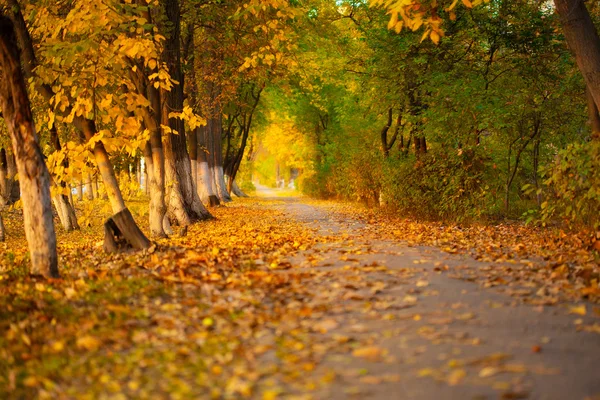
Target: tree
{"points": [[582, 37], [33, 174], [78, 112]]}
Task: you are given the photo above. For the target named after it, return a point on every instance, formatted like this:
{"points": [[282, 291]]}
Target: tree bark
{"points": [[33, 174], [593, 115], [154, 155], [64, 208], [89, 192], [2, 230], [215, 128], [205, 181], [235, 189], [583, 40], [80, 190]]}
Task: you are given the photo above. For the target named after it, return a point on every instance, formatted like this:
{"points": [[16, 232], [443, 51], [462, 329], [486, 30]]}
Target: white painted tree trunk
{"points": [[235, 189], [204, 183], [220, 185]]}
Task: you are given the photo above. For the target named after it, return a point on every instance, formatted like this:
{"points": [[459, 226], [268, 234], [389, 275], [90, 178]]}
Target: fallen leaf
{"points": [[88, 343], [370, 353]]}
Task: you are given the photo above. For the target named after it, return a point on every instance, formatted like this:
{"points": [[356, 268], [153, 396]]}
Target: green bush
{"points": [[444, 185], [573, 186]]}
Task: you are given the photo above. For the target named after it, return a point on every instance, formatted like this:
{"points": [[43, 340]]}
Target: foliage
{"points": [[572, 186]]}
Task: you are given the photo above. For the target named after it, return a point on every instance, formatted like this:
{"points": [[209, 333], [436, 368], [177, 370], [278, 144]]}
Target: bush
{"points": [[447, 185], [573, 186]]}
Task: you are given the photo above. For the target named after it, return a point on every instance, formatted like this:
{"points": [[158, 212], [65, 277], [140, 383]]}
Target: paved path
{"points": [[415, 330]]}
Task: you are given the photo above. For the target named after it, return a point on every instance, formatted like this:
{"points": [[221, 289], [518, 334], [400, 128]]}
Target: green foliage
{"points": [[573, 186], [442, 186]]}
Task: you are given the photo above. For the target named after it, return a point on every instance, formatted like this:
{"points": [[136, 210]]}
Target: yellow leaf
{"points": [[451, 6], [88, 342], [435, 37], [325, 325], [467, 3], [456, 377], [370, 353], [488, 371], [393, 20], [579, 310], [26, 339]]}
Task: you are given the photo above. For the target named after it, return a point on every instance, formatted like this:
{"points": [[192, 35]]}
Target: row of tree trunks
{"points": [[200, 140], [185, 205], [34, 177]]}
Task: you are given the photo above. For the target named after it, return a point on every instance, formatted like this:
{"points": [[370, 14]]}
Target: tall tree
{"points": [[33, 174], [85, 124], [183, 199]]}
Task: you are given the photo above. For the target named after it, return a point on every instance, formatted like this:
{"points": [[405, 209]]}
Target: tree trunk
{"points": [[89, 192], [2, 230], [206, 189], [33, 174], [9, 186], [235, 189], [385, 147], [216, 131], [593, 115], [4, 181], [138, 172], [583, 40], [71, 201], [64, 208], [184, 203], [80, 190], [193, 146]]}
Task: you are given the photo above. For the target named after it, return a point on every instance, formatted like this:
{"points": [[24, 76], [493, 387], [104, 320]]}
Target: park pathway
{"points": [[409, 324]]}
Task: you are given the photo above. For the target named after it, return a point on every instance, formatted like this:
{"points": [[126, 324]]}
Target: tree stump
{"points": [[121, 233]]}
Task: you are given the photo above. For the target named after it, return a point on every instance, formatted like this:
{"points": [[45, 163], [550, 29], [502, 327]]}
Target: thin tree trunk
{"points": [[2, 230], [206, 167], [138, 172], [193, 146], [4, 181], [89, 192], [33, 174], [235, 189], [593, 115], [96, 188], [64, 208], [216, 129], [80, 190], [71, 201]]}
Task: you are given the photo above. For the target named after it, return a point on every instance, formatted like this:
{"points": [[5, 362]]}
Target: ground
{"points": [[297, 299]]}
